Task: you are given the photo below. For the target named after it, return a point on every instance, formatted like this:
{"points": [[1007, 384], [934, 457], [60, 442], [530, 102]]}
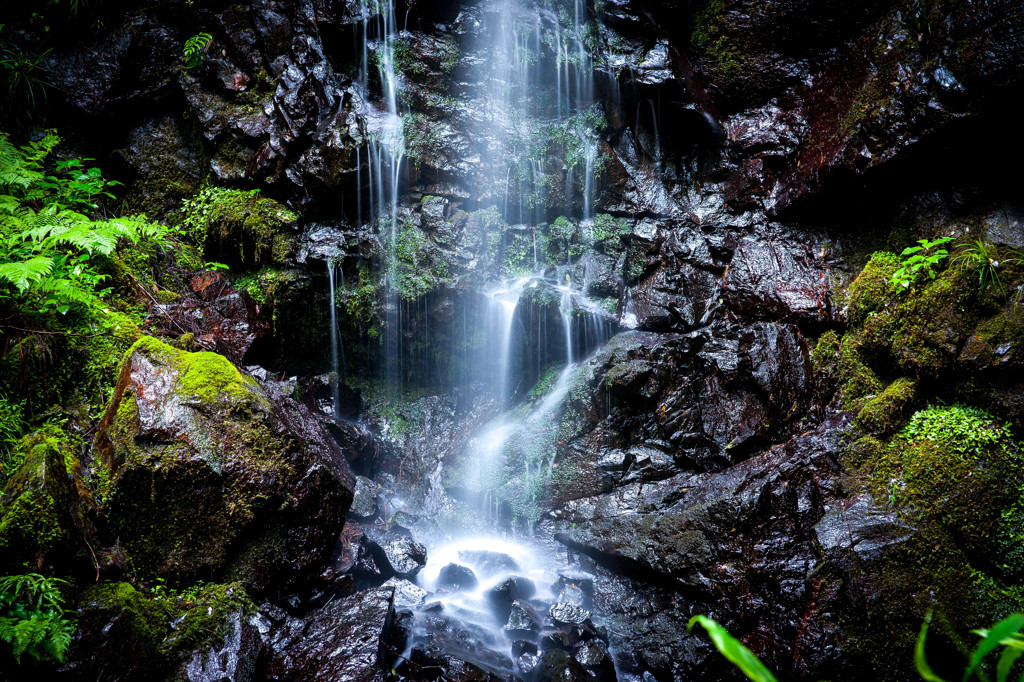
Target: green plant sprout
{"points": [[919, 260]]}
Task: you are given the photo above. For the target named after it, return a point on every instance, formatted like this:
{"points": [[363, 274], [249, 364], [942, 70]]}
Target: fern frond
{"points": [[22, 274]]}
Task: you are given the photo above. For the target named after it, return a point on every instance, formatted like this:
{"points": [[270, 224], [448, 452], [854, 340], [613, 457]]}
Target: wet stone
{"points": [[401, 553], [521, 619], [489, 562], [571, 594], [502, 595], [407, 594], [557, 665], [364, 500], [592, 654], [568, 614], [456, 578]]}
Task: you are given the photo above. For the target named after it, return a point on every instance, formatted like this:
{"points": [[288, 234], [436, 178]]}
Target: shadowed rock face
{"points": [[211, 478]]}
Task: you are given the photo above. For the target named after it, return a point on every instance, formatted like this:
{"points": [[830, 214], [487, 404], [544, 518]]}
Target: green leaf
{"points": [[1006, 661], [1004, 629], [923, 669], [730, 647]]}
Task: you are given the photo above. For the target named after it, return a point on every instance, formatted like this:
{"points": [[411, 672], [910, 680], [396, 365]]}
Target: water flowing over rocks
{"points": [[579, 274]]}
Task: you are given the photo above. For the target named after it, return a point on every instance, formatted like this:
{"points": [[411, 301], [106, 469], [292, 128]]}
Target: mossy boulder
{"points": [[211, 478], [241, 227], [131, 633], [886, 412], [39, 505]]}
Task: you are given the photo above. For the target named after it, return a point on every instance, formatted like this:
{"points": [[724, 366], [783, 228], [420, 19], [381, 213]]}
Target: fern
{"points": [[32, 617], [194, 49], [47, 242]]}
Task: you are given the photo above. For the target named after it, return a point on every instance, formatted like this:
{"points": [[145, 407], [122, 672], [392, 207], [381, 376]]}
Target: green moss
{"points": [[872, 288], [825, 355], [38, 501], [886, 412], [712, 32], [159, 628], [857, 381], [239, 226], [206, 377], [960, 469]]}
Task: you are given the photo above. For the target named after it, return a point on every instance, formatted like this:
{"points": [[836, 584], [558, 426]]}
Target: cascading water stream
{"points": [[539, 120]]}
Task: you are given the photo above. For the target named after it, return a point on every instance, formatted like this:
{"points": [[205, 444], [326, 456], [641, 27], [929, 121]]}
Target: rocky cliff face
{"points": [[718, 455]]}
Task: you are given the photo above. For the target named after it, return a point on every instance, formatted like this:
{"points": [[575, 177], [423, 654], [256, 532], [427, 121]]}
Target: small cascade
{"points": [[385, 149], [335, 375]]}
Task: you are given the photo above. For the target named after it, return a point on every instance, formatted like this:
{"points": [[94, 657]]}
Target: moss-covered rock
{"points": [[886, 412], [237, 226], [209, 477], [869, 291], [148, 633], [39, 504]]}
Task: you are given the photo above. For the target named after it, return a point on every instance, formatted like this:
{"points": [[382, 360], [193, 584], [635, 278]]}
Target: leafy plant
{"points": [[12, 425], [730, 647], [919, 260], [963, 430], [47, 240], [25, 79], [1006, 634], [980, 256], [194, 49], [32, 617]]}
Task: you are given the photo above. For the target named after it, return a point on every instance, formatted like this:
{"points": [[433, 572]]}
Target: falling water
{"points": [[335, 364]]}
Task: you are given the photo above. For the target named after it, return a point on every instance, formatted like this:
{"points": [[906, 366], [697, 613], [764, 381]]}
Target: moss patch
{"points": [[239, 226], [886, 412]]}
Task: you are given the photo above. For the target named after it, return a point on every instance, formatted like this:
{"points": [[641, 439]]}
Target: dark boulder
{"points": [[456, 578], [505, 593], [352, 639]]}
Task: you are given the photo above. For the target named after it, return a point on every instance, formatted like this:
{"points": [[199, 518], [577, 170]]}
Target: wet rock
{"points": [[209, 476], [568, 614], [860, 525], [502, 595], [407, 594], [456, 578], [779, 280], [452, 645], [348, 639], [557, 665], [571, 594], [489, 562], [364, 500], [233, 659], [593, 655], [525, 655], [396, 553], [39, 505], [521, 620]]}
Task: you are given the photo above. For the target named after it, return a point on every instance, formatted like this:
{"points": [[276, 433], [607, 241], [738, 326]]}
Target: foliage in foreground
{"points": [[32, 617], [50, 233], [1007, 634]]}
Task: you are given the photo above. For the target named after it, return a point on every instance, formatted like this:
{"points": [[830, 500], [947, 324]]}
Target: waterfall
{"points": [[385, 133], [335, 365]]}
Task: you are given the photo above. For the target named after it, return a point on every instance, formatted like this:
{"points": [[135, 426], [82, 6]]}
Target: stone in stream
{"points": [[456, 578], [407, 594], [558, 666], [568, 614], [489, 562], [525, 655], [521, 620], [593, 655], [502, 595]]}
